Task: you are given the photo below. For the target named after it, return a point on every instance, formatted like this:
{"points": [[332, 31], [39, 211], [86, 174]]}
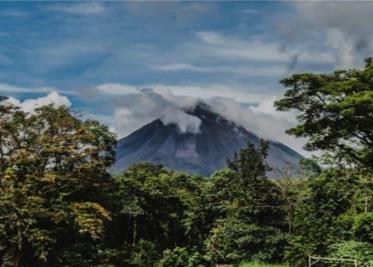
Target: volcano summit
{"points": [[201, 152]]}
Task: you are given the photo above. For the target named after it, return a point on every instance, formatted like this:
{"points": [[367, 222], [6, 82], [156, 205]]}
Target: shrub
{"points": [[181, 257], [361, 251], [143, 254]]}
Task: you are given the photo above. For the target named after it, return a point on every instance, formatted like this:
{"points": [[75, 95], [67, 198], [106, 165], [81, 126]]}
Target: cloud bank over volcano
{"points": [[136, 107]]}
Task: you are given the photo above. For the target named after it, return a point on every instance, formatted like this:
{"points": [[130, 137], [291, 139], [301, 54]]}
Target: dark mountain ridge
{"points": [[200, 153]]}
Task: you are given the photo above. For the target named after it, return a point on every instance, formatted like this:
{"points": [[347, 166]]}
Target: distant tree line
{"points": [[59, 206]]}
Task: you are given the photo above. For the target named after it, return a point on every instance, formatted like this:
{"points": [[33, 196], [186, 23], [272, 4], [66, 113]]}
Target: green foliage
{"points": [[292, 194], [363, 227], [158, 199], [52, 171], [361, 251], [249, 163], [335, 112], [154, 204], [309, 168], [249, 195], [326, 215], [181, 257], [258, 264], [234, 241], [247, 208], [335, 115], [144, 253]]}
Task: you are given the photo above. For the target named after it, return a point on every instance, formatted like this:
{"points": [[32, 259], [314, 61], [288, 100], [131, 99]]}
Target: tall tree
{"points": [[335, 112], [249, 218], [53, 167]]}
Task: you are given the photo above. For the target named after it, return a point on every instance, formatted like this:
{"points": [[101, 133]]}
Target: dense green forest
{"points": [[59, 206]]}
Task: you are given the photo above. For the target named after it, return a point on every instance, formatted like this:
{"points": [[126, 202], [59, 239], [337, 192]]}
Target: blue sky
{"points": [[99, 53], [68, 44]]}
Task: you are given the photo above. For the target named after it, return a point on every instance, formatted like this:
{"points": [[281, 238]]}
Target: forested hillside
{"points": [[59, 206]]}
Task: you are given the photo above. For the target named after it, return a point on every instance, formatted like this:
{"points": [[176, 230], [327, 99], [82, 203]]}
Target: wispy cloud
{"points": [[10, 89], [13, 13], [238, 93], [84, 8], [343, 28], [268, 71], [117, 89], [250, 11], [255, 49], [181, 67], [4, 60]]}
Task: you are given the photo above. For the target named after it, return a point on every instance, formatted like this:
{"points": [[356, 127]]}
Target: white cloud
{"points": [[209, 37], [29, 105], [268, 71], [266, 107], [238, 93], [343, 46], [169, 103], [117, 89], [57, 100], [261, 120], [150, 104], [346, 26], [126, 121], [214, 90], [348, 16], [185, 122], [229, 47], [66, 52], [13, 13], [180, 66], [85, 8], [183, 101], [8, 88]]}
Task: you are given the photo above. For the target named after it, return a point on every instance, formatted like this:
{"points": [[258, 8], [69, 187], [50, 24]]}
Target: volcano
{"points": [[202, 152]]}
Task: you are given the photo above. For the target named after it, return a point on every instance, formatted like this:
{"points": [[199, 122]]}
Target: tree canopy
{"points": [[52, 172], [335, 112]]}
